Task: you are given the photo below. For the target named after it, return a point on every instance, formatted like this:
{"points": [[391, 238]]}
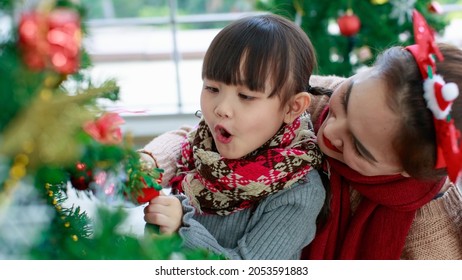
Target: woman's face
{"points": [[360, 127]]}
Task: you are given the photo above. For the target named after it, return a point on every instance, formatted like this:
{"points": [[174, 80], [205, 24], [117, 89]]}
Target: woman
{"points": [[387, 199]]}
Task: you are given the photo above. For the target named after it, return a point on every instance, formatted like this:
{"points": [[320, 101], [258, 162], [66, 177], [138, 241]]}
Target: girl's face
{"points": [[359, 128], [240, 120]]}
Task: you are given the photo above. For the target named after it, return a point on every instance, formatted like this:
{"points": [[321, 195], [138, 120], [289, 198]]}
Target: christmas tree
{"points": [[54, 137], [349, 34]]}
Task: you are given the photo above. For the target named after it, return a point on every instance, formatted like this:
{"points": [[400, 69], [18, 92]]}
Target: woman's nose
{"points": [[335, 131], [338, 143]]}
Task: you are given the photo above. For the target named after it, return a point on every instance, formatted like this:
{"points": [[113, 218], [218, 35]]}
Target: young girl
{"points": [[247, 170]]}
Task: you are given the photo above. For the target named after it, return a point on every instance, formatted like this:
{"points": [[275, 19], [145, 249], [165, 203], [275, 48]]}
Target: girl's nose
{"points": [[223, 109]]}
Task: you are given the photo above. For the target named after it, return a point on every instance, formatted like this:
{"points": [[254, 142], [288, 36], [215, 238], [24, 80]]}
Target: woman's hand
{"points": [[166, 212]]}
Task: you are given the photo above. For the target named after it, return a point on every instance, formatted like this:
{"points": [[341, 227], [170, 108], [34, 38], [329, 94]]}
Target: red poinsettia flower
{"points": [[106, 129]]}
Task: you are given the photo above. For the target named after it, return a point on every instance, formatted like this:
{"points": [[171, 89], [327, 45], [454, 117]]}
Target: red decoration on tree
{"points": [[106, 129], [349, 24], [51, 40], [81, 177]]}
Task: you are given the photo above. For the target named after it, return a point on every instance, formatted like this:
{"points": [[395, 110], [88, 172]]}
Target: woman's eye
{"points": [[343, 101], [211, 89], [357, 152], [246, 97]]}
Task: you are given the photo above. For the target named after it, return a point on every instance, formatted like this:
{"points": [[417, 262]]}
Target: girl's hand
{"points": [[166, 212]]}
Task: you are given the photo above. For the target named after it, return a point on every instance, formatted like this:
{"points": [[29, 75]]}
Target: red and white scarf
{"points": [[216, 185]]}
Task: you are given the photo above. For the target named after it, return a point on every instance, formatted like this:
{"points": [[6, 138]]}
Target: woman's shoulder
{"points": [[447, 204], [437, 228]]}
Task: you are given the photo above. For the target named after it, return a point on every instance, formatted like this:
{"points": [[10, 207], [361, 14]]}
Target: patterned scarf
{"points": [[216, 185], [379, 226]]}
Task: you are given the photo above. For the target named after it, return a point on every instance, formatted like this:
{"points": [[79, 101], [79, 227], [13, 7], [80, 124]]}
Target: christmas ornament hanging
{"points": [[51, 40], [349, 24], [81, 176]]}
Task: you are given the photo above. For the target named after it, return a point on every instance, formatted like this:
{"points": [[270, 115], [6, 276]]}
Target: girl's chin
{"points": [[228, 155]]}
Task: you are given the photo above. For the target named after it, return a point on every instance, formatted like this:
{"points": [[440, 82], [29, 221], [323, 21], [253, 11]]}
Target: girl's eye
{"points": [[246, 97], [211, 89]]}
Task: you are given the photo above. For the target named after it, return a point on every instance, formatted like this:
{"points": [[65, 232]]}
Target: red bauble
{"points": [[349, 24], [148, 194], [51, 40], [81, 177]]}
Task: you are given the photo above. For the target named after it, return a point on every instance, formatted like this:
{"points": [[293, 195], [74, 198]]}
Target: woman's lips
{"points": [[329, 145]]}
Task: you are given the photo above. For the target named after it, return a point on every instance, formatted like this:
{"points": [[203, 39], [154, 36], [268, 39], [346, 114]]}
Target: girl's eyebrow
{"points": [[361, 149]]}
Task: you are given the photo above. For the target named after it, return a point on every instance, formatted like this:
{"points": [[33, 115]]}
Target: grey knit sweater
{"points": [[277, 228]]}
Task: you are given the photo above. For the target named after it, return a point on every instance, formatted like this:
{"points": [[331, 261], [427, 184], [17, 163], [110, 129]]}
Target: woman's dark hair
{"points": [[254, 50], [416, 139]]}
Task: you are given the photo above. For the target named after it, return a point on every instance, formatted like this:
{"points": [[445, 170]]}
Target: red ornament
{"points": [[51, 40], [32, 43], [147, 195], [349, 23], [106, 129], [81, 177]]}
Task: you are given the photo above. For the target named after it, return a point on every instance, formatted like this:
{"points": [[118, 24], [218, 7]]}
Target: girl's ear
{"points": [[297, 106]]}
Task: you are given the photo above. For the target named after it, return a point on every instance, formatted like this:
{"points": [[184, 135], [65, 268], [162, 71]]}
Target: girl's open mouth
{"points": [[222, 134]]}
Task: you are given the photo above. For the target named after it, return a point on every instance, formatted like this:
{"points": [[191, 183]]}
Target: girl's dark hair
{"points": [[254, 50], [416, 139]]}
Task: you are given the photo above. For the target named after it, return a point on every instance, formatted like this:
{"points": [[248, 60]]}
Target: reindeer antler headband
{"points": [[439, 96]]}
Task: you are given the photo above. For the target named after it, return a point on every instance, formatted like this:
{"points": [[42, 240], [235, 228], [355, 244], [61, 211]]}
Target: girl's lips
{"points": [[222, 135], [329, 145]]}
